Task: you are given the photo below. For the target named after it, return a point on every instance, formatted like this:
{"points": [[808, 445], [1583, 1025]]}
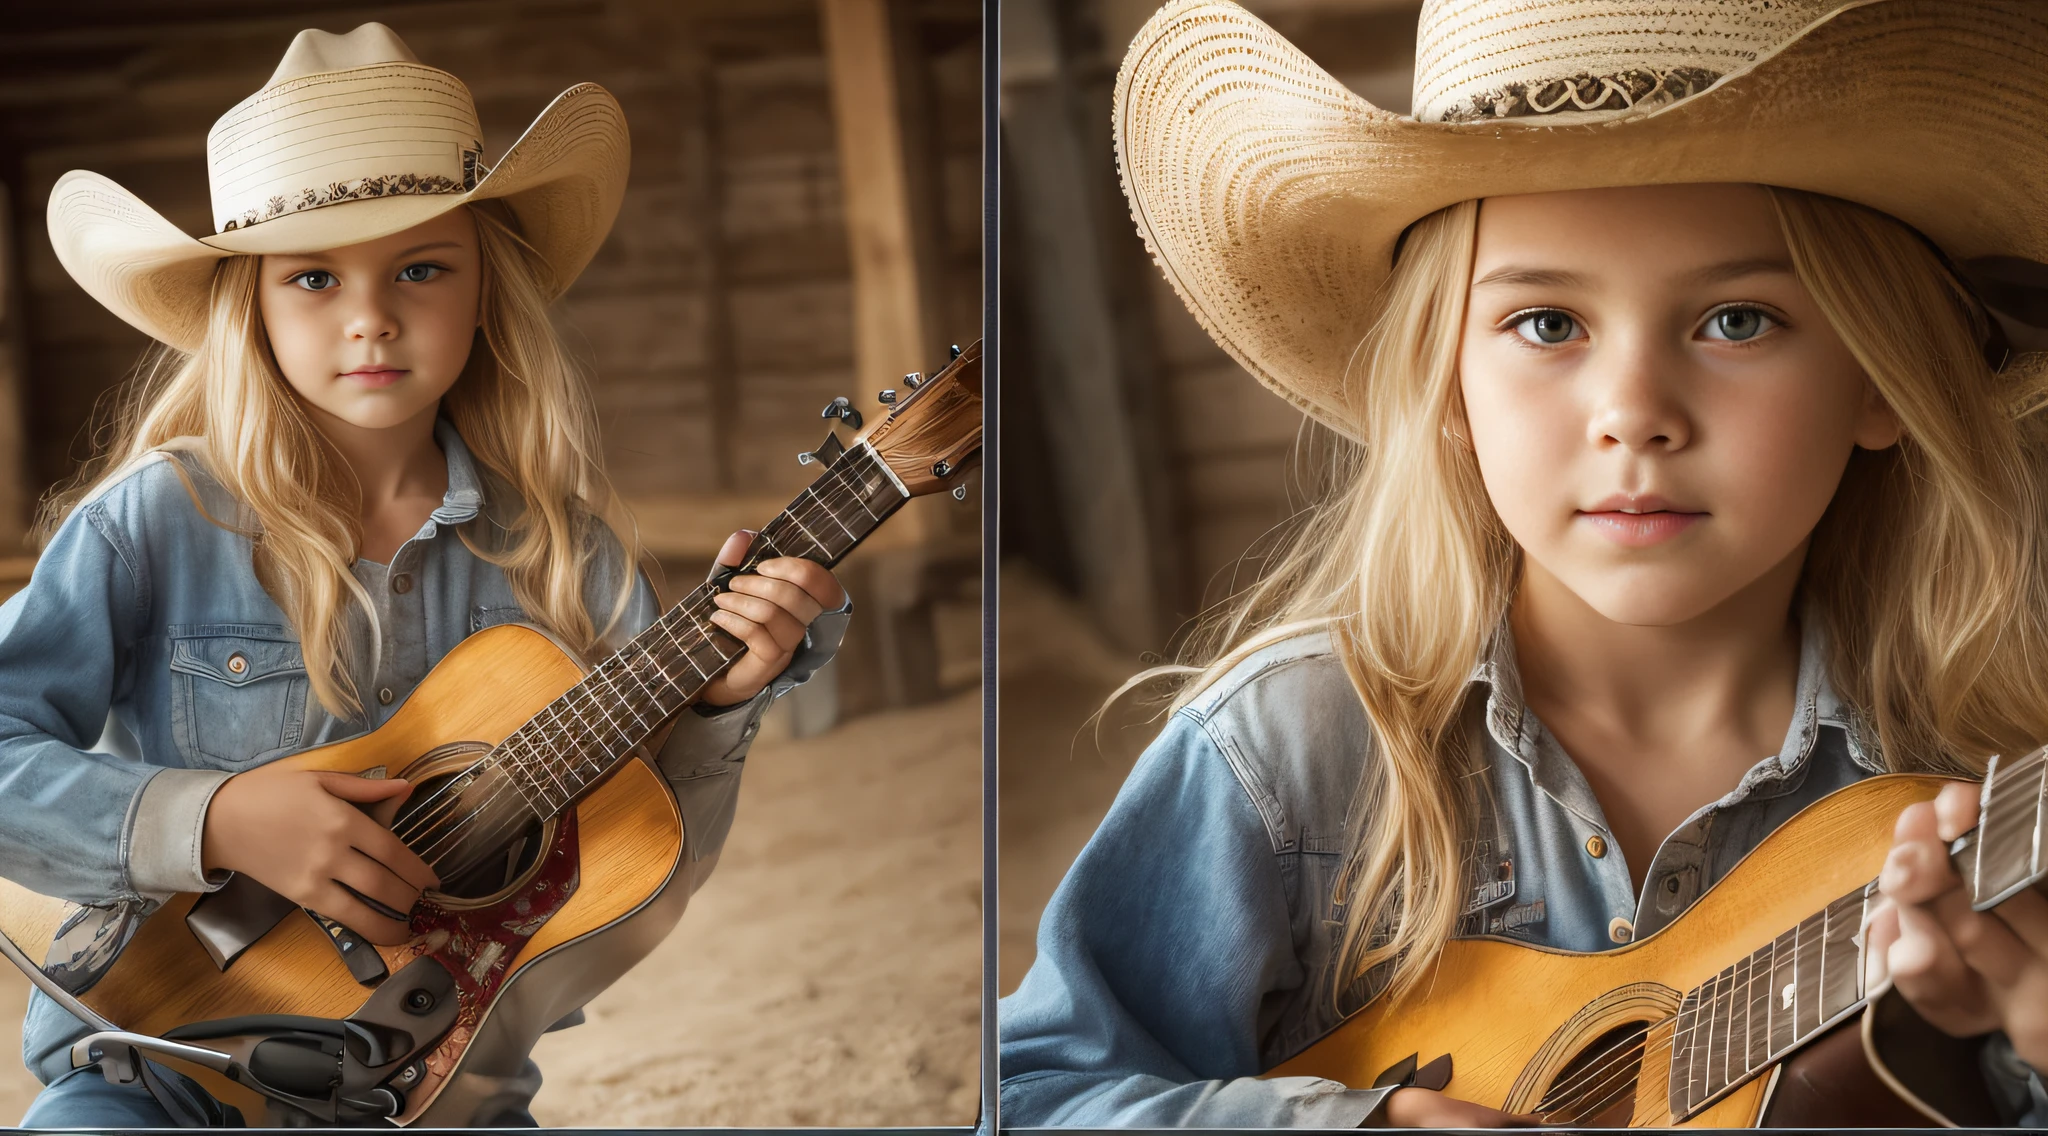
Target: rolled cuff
{"points": [[170, 820]]}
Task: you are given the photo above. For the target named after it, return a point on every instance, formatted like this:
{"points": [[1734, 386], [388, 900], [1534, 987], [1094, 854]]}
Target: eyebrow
{"points": [[1560, 278], [413, 251]]}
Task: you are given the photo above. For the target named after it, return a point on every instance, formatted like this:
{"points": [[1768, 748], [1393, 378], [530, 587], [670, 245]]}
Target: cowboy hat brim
{"points": [[564, 179], [1272, 197]]}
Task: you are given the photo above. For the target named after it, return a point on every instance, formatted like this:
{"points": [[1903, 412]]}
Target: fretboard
{"points": [[562, 752], [1755, 1013]]}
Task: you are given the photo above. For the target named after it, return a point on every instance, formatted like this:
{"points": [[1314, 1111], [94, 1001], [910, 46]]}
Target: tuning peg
{"points": [[914, 380], [842, 409], [960, 492], [955, 354], [827, 453], [886, 398]]}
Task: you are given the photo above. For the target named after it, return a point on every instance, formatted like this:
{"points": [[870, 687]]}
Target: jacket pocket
{"points": [[238, 694]]}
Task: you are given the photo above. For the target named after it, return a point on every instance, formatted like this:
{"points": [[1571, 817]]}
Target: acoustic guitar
{"points": [[555, 846], [1698, 1024]]}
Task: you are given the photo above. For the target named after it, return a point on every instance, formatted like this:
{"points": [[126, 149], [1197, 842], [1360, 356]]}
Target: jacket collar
{"points": [[465, 496]]}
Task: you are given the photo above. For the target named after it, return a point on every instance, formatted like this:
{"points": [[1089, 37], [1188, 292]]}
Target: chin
{"points": [[1659, 601]]}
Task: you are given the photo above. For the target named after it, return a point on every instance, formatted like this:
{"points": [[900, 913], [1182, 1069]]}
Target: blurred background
{"points": [[1142, 468], [803, 222]]}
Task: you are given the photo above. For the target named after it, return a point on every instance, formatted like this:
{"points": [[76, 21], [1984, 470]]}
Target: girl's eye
{"points": [[1547, 327], [314, 280], [419, 273], [1736, 325]]}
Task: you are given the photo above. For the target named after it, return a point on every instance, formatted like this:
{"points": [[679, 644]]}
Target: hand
{"points": [[769, 613], [1966, 972], [298, 832], [1427, 1108]]}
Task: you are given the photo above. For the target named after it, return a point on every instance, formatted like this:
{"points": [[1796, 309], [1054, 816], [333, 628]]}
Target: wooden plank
{"points": [[895, 291]]}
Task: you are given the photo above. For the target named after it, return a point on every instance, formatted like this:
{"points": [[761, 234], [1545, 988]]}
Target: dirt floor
{"points": [[828, 973], [1060, 769]]}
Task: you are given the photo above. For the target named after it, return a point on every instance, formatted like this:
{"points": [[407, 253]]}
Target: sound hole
{"points": [[1597, 1088], [470, 825]]}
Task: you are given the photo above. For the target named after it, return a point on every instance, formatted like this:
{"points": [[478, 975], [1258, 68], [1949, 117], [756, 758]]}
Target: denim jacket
{"points": [[1190, 946], [144, 664]]}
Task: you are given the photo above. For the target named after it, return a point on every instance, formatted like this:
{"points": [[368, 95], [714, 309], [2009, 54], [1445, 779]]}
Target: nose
{"points": [[1634, 403], [371, 315]]}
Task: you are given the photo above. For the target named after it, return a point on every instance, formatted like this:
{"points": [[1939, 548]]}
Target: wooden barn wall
{"points": [[716, 318], [1226, 442]]}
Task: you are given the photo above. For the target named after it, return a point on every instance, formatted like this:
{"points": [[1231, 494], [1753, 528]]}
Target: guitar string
{"points": [[545, 744], [846, 480], [849, 484], [2009, 783], [845, 484], [1611, 1070]]}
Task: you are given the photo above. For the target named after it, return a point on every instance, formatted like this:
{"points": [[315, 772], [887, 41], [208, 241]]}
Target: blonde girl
{"points": [[361, 442], [1667, 500]]}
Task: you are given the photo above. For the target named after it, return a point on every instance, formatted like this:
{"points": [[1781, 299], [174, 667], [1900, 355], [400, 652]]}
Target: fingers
{"points": [[384, 846], [335, 902], [785, 629], [1917, 869], [784, 594], [734, 550], [815, 579], [1955, 810], [362, 790], [1427, 1108], [373, 881]]}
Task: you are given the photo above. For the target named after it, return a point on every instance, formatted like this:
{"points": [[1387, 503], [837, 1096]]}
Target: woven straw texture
{"points": [[1271, 196], [320, 161]]}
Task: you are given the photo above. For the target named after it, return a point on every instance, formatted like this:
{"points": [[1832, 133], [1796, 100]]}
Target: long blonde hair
{"points": [[1927, 569], [522, 406]]}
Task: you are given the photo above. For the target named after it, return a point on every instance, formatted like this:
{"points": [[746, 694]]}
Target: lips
{"points": [[376, 376], [1639, 521]]}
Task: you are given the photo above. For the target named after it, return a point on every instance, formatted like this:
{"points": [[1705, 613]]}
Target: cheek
{"points": [[295, 337], [1525, 430]]}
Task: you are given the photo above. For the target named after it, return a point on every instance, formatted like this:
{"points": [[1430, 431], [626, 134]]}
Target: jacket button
{"points": [[238, 663], [1621, 930], [1596, 847], [384, 696], [402, 583]]}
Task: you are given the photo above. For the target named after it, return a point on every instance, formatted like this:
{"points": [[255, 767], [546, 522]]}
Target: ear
{"points": [[1877, 424]]}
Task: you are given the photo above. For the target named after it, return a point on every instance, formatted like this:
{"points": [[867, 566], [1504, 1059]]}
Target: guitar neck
{"points": [[1806, 981], [564, 751]]}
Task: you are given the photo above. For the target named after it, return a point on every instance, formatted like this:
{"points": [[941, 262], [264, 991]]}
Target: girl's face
{"points": [[374, 334], [1660, 411]]}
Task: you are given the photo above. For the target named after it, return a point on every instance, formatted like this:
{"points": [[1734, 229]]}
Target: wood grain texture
{"points": [[485, 688], [1497, 1007]]}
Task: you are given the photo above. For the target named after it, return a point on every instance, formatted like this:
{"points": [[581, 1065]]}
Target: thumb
{"points": [[363, 789], [735, 548]]}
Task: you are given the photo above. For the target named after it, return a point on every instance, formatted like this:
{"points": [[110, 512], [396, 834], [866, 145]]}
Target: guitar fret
{"points": [[1702, 1045], [1784, 966], [1756, 1025], [1841, 984]]}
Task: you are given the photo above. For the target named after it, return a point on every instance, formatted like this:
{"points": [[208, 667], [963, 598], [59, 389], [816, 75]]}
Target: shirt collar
{"points": [[465, 496], [1515, 728]]}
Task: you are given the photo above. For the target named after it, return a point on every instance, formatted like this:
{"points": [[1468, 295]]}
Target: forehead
{"points": [[1635, 231], [454, 228]]}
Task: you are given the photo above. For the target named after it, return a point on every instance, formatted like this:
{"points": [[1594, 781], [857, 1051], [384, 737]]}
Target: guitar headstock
{"points": [[933, 434]]}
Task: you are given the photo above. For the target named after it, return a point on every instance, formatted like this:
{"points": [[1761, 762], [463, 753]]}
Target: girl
{"points": [[364, 443], [1636, 485]]}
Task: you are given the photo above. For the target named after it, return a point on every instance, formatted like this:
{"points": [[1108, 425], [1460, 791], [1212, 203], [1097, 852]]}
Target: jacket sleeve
{"points": [[1156, 956], [68, 816]]}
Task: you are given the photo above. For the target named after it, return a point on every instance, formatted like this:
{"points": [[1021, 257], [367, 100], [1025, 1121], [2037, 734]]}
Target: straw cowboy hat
{"points": [[1272, 197], [353, 138]]}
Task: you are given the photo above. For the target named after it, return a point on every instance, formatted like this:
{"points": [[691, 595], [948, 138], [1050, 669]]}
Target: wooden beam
{"points": [[17, 496], [892, 242]]}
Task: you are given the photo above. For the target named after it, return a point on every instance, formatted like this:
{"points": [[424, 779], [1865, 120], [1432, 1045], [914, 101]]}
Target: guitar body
{"points": [[525, 958], [1520, 1021]]}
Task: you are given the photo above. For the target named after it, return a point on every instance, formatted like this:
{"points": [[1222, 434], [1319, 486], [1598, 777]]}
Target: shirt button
{"points": [[402, 583], [237, 663], [1621, 930], [384, 696], [1596, 847]]}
